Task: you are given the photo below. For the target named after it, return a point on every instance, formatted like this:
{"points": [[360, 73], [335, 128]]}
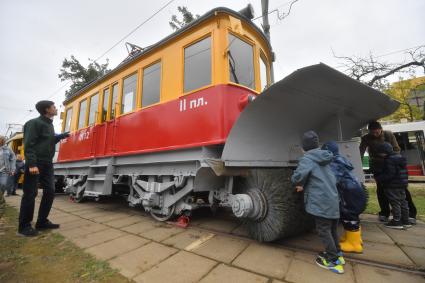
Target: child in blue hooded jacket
{"points": [[353, 199], [314, 176]]}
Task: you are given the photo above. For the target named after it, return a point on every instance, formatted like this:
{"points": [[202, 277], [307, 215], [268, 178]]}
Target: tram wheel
{"points": [[163, 217]]}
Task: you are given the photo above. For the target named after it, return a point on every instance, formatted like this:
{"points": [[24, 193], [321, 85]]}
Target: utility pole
{"points": [[266, 29]]}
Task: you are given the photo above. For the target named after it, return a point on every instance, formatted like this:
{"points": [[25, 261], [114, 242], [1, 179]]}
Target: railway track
{"points": [[281, 244]]}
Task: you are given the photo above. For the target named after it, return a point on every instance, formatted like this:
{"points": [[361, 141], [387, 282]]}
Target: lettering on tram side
{"points": [[83, 135], [193, 103]]}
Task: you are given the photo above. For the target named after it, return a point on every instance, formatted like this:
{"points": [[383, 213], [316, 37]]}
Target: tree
{"points": [[187, 18], [374, 73], [79, 75], [402, 91]]}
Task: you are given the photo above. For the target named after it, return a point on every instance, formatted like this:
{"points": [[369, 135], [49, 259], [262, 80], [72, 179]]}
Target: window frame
{"points": [[66, 116], [254, 56], [79, 114], [161, 75], [136, 106], [262, 56], [117, 102], [96, 113], [208, 34], [108, 105]]}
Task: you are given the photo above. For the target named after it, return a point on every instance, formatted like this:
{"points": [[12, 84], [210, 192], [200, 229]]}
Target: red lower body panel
{"points": [[202, 118]]}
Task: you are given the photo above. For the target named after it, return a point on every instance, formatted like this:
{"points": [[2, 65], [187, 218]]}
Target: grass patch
{"points": [[46, 258], [417, 190]]}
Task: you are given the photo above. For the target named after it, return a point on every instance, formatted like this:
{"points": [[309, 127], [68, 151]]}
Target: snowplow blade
{"points": [[317, 97]]}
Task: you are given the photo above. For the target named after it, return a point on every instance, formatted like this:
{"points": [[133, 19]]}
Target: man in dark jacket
{"points": [[376, 137], [395, 180], [39, 145]]}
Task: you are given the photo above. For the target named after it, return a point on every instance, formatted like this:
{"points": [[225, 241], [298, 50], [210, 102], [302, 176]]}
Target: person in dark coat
{"points": [[314, 176], [395, 180], [353, 199], [371, 142], [7, 170], [39, 145], [20, 169]]}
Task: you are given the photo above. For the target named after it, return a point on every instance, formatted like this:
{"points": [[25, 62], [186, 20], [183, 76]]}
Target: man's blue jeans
{"points": [[4, 178], [10, 186], [3, 184]]}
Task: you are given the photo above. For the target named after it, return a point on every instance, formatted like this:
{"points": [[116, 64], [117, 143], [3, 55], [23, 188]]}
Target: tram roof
{"points": [[165, 40]]}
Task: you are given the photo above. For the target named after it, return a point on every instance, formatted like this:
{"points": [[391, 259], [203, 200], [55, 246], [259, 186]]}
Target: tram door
{"points": [[420, 141], [99, 144]]}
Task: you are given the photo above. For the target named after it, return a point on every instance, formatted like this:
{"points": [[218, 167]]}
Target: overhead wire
{"points": [[53, 94], [399, 51], [134, 30], [276, 9]]}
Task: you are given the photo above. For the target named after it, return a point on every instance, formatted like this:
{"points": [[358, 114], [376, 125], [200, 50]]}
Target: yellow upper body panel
{"points": [[171, 56]]}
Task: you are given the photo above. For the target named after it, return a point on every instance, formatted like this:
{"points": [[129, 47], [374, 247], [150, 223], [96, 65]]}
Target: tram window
{"points": [[263, 74], [105, 104], [197, 65], [82, 114], [129, 94], [114, 100], [151, 84], [68, 117], [241, 62], [93, 111]]}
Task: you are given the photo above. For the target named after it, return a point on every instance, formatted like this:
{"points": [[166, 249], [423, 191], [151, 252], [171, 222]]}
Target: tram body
{"points": [[193, 121]]}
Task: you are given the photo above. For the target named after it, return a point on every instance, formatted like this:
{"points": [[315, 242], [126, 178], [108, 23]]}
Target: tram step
{"points": [[98, 166], [97, 178]]}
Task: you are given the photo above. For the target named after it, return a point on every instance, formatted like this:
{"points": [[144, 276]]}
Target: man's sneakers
{"points": [[332, 266], [31, 232], [46, 225], [27, 232], [393, 224]]}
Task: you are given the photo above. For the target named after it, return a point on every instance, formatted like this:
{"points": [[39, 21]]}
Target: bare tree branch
{"points": [[373, 72], [395, 70]]}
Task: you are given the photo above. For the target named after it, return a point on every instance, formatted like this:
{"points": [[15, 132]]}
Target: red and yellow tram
{"points": [[181, 125]]}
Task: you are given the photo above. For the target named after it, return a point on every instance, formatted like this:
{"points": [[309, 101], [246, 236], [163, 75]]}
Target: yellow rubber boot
{"points": [[352, 243], [361, 238]]}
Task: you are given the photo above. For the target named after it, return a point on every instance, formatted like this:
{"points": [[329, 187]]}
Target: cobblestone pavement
{"points": [[215, 249]]}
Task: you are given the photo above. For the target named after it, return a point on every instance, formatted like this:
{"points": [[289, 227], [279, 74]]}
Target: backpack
{"points": [[353, 195]]}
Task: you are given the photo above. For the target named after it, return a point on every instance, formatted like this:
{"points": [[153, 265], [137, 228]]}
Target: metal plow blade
{"points": [[317, 98]]}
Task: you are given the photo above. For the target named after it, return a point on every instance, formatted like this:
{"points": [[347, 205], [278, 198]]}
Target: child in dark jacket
{"points": [[314, 176], [395, 179], [353, 199]]}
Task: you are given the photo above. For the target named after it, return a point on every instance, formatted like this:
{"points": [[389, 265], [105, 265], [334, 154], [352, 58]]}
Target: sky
{"points": [[36, 36]]}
